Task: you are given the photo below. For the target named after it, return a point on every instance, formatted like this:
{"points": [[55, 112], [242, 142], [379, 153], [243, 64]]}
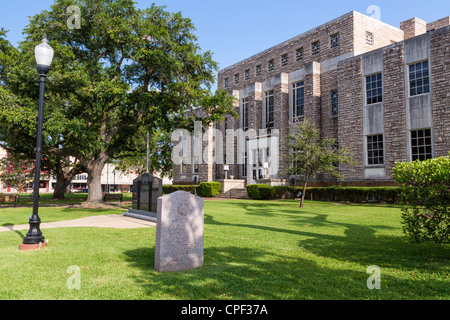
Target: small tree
{"points": [[16, 172], [311, 155], [426, 198]]}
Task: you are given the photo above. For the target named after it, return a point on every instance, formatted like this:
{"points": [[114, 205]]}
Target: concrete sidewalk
{"points": [[107, 221]]}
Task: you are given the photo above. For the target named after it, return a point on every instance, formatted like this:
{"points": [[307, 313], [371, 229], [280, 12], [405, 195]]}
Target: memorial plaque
{"points": [[146, 191]]}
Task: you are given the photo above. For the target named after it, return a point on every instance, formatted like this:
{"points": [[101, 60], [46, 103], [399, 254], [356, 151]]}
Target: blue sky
{"points": [[234, 30]]}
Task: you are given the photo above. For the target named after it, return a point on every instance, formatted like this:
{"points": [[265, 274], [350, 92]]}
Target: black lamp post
{"points": [[44, 56]]}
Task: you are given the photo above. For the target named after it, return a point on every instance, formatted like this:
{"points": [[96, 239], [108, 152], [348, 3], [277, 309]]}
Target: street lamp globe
{"points": [[44, 56]]}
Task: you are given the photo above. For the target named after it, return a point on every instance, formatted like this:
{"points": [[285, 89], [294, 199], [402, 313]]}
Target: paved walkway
{"points": [[106, 221]]}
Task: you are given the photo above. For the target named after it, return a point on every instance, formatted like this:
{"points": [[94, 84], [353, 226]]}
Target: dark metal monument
{"points": [[146, 191]]}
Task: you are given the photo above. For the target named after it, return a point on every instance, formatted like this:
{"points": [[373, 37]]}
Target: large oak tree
{"points": [[123, 70]]}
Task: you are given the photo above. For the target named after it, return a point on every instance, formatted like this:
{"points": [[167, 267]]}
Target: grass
{"points": [[253, 250]]}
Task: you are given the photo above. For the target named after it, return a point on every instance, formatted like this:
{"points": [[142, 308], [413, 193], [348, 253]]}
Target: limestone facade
{"points": [[381, 91]]}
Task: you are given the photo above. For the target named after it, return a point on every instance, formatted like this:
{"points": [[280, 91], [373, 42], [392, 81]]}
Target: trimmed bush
{"points": [[208, 189], [169, 188], [335, 193], [426, 197]]}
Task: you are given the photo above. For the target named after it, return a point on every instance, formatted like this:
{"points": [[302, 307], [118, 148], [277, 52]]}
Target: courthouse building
{"points": [[381, 91]]}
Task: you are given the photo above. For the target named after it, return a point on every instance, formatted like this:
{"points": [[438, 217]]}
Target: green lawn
{"points": [[253, 250]]}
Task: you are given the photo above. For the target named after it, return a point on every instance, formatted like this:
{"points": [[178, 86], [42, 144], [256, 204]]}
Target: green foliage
{"points": [[208, 189], [125, 71], [334, 193], [426, 197], [260, 191], [169, 188], [309, 155]]}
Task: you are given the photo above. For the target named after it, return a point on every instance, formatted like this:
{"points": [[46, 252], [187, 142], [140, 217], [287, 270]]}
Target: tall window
{"points": [[375, 150], [284, 60], [334, 103], [421, 144], [269, 109], [369, 38], [258, 70], [315, 48], [245, 103], [236, 78], [270, 65], [299, 54], [247, 74], [298, 112], [244, 166], [419, 81], [226, 83], [374, 88]]}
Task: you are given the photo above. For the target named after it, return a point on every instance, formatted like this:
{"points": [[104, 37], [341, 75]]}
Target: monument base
{"points": [[139, 214], [23, 246]]}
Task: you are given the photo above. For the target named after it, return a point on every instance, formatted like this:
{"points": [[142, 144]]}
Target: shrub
{"points": [[169, 188], [334, 193], [253, 191], [426, 198], [208, 189]]}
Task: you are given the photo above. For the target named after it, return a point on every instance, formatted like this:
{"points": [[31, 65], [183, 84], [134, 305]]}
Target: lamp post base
{"points": [[24, 246]]}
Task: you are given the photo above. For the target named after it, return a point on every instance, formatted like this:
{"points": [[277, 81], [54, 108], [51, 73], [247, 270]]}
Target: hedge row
{"points": [[204, 189], [336, 193]]}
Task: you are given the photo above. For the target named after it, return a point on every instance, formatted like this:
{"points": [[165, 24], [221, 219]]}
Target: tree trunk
{"points": [[64, 176], [94, 181], [303, 194], [61, 187]]}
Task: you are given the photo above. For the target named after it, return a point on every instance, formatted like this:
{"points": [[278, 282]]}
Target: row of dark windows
{"points": [[299, 53]]}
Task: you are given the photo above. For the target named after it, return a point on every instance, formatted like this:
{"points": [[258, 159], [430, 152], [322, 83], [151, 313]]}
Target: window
{"points": [[421, 144], [299, 54], [269, 109], [334, 103], [375, 150], [236, 78], [244, 166], [315, 48], [247, 74], [245, 103], [258, 70], [369, 38], [298, 112], [419, 81], [183, 168], [226, 83], [270, 65], [334, 40], [374, 89], [284, 60]]}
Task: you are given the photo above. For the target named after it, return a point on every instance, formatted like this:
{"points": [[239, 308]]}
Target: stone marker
{"points": [[179, 232]]}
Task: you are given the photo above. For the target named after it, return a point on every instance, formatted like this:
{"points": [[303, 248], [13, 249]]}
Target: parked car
{"points": [[81, 190]]}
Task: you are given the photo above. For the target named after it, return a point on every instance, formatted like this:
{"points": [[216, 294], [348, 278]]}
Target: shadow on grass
{"points": [[324, 266], [243, 273], [248, 273]]}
